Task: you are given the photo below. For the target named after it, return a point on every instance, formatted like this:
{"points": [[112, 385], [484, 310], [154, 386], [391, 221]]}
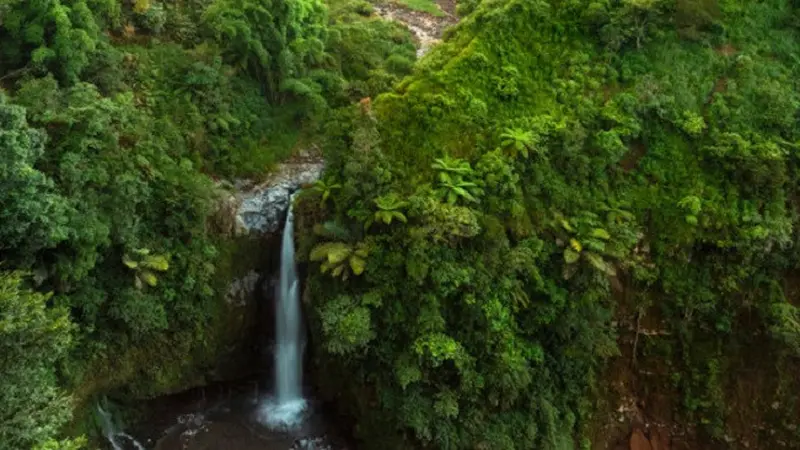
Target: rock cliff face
{"points": [[247, 228], [262, 208], [249, 222]]}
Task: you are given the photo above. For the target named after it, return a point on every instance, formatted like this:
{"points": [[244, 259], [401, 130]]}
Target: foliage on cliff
{"points": [[116, 117], [547, 153], [32, 338]]}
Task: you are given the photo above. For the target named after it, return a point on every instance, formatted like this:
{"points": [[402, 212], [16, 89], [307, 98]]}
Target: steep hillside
{"points": [[556, 182], [125, 128]]}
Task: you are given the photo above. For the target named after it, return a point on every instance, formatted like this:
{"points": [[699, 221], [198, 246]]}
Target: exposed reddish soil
{"points": [[639, 441], [631, 159], [638, 407]]}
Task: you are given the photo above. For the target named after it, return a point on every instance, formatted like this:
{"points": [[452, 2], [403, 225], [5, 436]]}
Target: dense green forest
{"points": [[550, 166], [488, 216], [116, 120]]}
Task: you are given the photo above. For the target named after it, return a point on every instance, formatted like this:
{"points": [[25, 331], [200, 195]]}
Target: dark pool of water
{"points": [[227, 417]]}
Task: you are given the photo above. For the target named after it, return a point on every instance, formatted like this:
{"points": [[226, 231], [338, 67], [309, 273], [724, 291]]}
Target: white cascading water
{"points": [[114, 436], [287, 408]]}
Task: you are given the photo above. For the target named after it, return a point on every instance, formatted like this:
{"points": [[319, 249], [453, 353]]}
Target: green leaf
{"points": [[338, 253], [463, 193], [338, 270], [598, 263], [571, 256], [319, 252], [323, 251], [357, 264], [131, 264], [452, 197], [691, 203], [156, 262], [594, 244], [600, 234], [149, 278]]}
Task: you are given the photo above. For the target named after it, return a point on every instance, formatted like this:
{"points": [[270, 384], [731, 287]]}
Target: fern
{"points": [[340, 259], [144, 266], [389, 208]]}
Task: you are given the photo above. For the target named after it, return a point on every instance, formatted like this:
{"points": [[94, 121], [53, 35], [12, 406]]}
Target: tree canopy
{"points": [[563, 164], [497, 223], [33, 338], [123, 125]]}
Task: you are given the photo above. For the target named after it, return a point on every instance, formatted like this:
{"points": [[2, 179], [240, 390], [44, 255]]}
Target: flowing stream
{"points": [[287, 409]]}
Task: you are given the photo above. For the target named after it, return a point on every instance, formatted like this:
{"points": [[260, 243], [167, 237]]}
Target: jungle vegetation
{"points": [[549, 166], [117, 118], [482, 213]]}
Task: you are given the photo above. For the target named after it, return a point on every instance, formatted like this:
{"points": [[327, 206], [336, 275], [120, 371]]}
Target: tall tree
{"points": [[58, 36], [277, 41], [33, 338], [32, 214]]}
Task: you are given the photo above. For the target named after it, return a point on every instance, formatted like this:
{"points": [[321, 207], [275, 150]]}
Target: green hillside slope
{"points": [[545, 156]]}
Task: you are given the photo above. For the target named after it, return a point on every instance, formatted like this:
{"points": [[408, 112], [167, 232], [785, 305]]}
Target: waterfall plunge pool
{"points": [[230, 416], [271, 414]]}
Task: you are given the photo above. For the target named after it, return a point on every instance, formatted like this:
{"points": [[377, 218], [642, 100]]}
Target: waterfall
{"points": [[114, 436], [288, 364], [286, 409]]}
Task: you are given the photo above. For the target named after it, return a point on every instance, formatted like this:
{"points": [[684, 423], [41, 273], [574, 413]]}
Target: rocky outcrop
{"points": [[262, 208], [240, 290], [427, 29], [249, 219]]}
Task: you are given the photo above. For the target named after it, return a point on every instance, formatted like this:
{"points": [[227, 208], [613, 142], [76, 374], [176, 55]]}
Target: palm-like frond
{"points": [[340, 258]]}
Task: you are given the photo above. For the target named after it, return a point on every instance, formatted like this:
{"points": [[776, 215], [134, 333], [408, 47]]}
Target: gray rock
{"points": [[311, 443], [263, 208], [241, 290]]}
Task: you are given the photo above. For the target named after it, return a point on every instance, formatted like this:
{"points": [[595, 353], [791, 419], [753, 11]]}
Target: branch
{"points": [[15, 73]]}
